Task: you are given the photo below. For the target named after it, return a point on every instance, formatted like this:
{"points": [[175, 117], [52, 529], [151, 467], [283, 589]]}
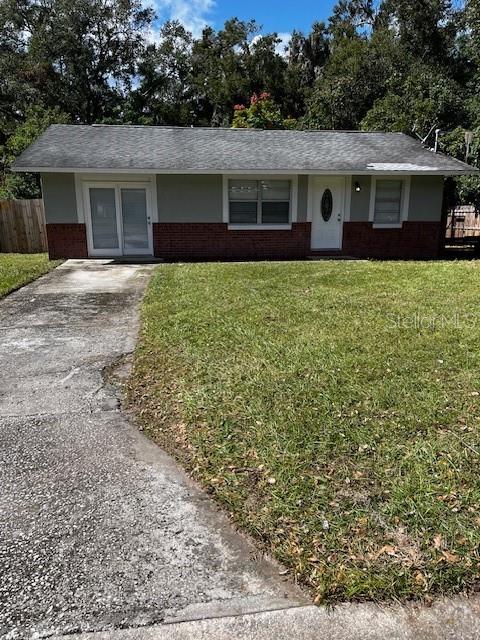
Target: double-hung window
{"points": [[388, 202], [259, 201]]}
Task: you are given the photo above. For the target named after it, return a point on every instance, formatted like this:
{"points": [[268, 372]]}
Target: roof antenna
{"points": [[423, 140]]}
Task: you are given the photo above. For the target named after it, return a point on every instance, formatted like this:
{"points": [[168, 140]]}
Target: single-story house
{"points": [[208, 193]]}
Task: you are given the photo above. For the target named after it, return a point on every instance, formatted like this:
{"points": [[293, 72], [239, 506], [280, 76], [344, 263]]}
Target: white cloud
{"points": [[193, 14], [284, 38], [281, 46]]}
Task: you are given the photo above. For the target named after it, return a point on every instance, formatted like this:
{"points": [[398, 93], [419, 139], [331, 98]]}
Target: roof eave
{"points": [[151, 170]]}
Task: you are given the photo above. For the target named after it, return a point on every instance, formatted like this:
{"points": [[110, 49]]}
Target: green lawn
{"points": [[17, 269], [332, 408]]}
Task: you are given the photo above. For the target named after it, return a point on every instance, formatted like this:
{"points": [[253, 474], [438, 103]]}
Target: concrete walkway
{"points": [[100, 529], [457, 619], [102, 536]]}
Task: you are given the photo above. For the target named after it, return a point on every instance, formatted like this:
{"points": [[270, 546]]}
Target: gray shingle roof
{"points": [[197, 150]]}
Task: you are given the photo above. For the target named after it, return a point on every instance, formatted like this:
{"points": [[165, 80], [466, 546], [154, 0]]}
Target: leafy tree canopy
{"points": [[261, 113], [78, 55], [395, 65], [20, 185]]}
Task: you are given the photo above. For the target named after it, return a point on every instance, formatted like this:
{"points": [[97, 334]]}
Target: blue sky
{"points": [[281, 16], [274, 15]]}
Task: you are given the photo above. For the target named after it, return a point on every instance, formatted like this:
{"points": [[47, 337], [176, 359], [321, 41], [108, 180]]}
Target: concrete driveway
{"points": [[99, 528], [100, 531]]}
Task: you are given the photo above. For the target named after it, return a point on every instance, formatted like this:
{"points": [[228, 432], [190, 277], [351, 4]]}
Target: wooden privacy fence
{"points": [[463, 222], [22, 226]]}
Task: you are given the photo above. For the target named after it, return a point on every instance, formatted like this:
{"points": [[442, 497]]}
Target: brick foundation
{"points": [[185, 241], [419, 240], [207, 241], [67, 241]]}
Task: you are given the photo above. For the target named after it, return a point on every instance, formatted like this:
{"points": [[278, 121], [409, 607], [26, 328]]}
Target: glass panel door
{"points": [[104, 219], [134, 220]]}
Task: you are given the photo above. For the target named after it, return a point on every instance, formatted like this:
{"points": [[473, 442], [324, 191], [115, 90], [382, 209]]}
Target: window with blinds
{"points": [[388, 201], [259, 201]]}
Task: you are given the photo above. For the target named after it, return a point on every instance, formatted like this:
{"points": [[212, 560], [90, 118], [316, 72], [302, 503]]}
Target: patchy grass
{"points": [[332, 408], [17, 269]]}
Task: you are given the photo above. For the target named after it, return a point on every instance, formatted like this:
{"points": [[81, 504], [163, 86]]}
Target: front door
{"points": [[118, 219], [328, 201]]}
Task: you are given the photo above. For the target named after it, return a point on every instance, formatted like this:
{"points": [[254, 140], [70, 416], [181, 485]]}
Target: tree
{"points": [[21, 185], [79, 55], [231, 64], [426, 98], [350, 17], [306, 58], [15, 90], [426, 29], [219, 77], [469, 48], [262, 113], [471, 24], [357, 74], [265, 68], [389, 113], [467, 187], [164, 94]]}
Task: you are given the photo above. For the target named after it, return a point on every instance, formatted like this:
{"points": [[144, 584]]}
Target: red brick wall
{"points": [[67, 241], [414, 240], [205, 241]]}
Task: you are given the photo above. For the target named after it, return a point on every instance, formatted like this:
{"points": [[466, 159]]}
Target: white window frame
{"points": [[404, 205], [260, 226]]}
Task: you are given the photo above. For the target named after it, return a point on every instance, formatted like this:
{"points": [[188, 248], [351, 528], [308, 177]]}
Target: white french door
{"points": [[119, 219]]}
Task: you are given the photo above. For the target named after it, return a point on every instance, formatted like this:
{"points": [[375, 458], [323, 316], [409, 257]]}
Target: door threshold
{"points": [[325, 252], [129, 259]]}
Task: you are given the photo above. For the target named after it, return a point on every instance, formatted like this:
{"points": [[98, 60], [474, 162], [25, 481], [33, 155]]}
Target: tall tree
{"points": [[358, 72], [426, 29], [351, 17], [21, 185], [392, 64], [164, 93], [219, 77], [79, 55], [265, 68], [306, 58], [426, 99], [470, 47]]}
